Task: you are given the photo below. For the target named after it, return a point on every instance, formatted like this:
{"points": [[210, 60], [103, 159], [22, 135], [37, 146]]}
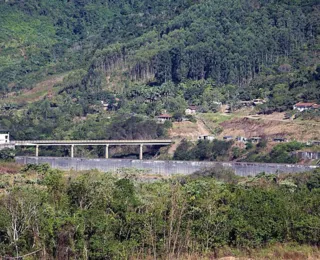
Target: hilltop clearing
{"points": [[271, 129], [41, 90], [268, 126]]}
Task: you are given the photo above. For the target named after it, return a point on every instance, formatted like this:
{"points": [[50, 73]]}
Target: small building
{"points": [[258, 101], [5, 140], [245, 103], [305, 106], [4, 137], [241, 139], [191, 110], [255, 139], [315, 142], [228, 138], [280, 140], [104, 105], [206, 137], [252, 103], [228, 109], [163, 118]]}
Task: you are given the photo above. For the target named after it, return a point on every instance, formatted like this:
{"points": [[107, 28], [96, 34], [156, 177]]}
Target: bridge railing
{"points": [[88, 141]]}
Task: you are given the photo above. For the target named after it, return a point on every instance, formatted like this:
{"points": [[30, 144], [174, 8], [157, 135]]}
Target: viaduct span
{"points": [[106, 143]]}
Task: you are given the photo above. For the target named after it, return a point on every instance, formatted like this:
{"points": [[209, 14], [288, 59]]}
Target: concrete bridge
{"points": [[106, 143]]}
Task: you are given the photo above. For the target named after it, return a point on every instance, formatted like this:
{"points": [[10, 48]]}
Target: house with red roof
{"points": [[305, 106], [164, 117]]}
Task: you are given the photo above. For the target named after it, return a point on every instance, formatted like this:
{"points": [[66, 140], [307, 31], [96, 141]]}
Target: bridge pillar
{"points": [[107, 151], [72, 151], [37, 150], [141, 152]]}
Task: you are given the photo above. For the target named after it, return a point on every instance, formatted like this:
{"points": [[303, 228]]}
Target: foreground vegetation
{"points": [[103, 216]]}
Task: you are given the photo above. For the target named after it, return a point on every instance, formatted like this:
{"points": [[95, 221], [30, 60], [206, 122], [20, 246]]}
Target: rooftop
{"points": [[301, 104], [164, 116], [193, 107]]}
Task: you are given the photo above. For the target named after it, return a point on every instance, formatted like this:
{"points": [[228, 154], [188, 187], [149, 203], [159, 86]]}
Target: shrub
{"points": [[7, 154]]}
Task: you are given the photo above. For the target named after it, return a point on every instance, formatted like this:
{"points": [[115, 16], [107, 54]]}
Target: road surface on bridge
{"points": [[90, 142], [106, 143]]}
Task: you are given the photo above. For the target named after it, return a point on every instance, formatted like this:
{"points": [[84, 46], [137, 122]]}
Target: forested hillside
{"points": [[45, 37], [141, 57]]}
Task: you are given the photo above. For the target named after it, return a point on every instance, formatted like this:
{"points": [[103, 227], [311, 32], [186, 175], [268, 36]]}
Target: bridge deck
{"points": [[90, 142]]}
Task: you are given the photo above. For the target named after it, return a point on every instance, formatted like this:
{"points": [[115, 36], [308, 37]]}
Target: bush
{"points": [[7, 154], [218, 172]]}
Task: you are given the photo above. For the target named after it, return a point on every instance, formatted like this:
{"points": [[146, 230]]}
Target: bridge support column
{"points": [[72, 151], [37, 150], [141, 152], [107, 152]]}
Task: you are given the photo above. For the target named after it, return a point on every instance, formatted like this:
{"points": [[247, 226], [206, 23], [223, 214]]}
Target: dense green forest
{"points": [[141, 57], [102, 216]]}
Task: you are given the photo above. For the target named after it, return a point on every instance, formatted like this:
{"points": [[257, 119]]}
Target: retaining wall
{"points": [[308, 155], [162, 167]]}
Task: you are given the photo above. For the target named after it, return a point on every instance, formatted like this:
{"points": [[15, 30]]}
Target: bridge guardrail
{"points": [[89, 141]]}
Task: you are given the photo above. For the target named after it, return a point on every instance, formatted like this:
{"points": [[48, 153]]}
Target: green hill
{"points": [[145, 56]]}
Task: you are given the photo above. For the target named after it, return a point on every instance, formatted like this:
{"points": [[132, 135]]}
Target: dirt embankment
{"points": [[188, 130], [291, 130]]}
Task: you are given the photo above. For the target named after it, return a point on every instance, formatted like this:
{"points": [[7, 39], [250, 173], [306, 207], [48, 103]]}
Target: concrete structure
{"points": [[307, 155], [165, 168], [255, 139], [5, 140], [206, 137], [280, 140], [241, 139], [4, 137], [228, 138], [106, 143]]}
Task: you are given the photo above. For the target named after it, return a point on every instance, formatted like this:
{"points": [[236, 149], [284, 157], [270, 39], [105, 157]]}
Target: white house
{"points": [[258, 101], [206, 137], [191, 110], [4, 138]]}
